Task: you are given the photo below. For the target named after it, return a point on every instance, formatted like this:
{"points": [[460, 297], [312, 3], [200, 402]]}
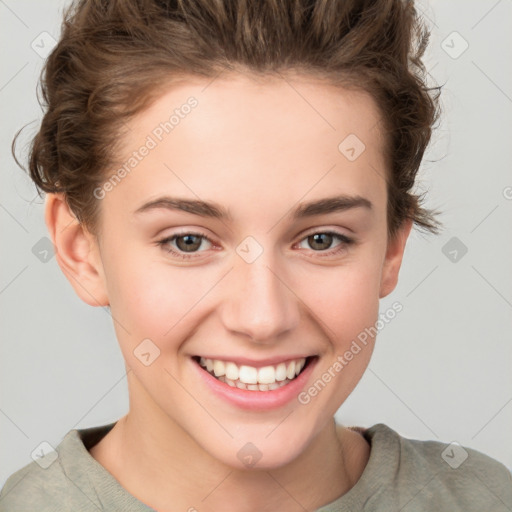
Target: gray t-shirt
{"points": [[401, 475]]}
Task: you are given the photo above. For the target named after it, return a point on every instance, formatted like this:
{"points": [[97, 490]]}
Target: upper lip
{"points": [[244, 361]]}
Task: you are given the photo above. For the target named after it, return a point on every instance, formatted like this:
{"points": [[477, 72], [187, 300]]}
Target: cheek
{"points": [[154, 300], [345, 299]]}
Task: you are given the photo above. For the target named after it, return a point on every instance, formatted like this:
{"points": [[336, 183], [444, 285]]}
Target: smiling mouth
{"points": [[266, 378]]}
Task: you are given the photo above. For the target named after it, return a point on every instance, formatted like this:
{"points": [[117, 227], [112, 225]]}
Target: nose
{"points": [[258, 302]]}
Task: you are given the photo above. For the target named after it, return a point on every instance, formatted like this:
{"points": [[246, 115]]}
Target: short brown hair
{"points": [[115, 56]]}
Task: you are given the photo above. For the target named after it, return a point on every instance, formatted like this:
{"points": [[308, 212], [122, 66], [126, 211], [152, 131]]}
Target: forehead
{"points": [[247, 107], [276, 139]]}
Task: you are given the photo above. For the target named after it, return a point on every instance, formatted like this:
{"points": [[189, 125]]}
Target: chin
{"points": [[259, 454]]}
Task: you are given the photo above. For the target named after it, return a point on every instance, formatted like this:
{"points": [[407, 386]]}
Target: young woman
{"points": [[233, 181]]}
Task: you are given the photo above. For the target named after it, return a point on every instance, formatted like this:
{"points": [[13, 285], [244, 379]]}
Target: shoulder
{"points": [[448, 475], [68, 478], [60, 479], [46, 490]]}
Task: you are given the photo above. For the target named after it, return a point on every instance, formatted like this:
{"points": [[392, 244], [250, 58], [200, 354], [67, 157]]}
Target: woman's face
{"points": [[248, 227]]}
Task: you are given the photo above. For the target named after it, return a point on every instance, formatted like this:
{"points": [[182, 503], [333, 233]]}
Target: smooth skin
{"points": [[258, 148]]}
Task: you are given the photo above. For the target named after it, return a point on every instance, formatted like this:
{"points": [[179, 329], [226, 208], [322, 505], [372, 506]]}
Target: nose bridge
{"points": [[260, 305]]}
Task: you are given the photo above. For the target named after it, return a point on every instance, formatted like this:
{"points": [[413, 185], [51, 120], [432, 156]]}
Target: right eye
{"points": [[183, 243]]}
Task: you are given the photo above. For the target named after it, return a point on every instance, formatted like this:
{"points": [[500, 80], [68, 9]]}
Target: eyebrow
{"points": [[214, 210]]}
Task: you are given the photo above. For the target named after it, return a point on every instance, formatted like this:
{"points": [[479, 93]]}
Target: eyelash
{"points": [[346, 241]]}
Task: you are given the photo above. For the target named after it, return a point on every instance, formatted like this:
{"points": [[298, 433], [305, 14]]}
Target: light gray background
{"points": [[441, 370]]}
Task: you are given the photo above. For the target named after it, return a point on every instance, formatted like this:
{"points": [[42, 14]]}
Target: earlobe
{"points": [[76, 251], [393, 259]]}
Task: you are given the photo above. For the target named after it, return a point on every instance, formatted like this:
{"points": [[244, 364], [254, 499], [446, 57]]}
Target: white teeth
{"points": [[218, 368], [252, 387], [248, 374], [290, 372], [232, 371], [247, 377], [280, 372], [230, 382], [266, 375]]}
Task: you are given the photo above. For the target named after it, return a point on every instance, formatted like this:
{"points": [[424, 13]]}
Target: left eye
{"points": [[322, 241]]}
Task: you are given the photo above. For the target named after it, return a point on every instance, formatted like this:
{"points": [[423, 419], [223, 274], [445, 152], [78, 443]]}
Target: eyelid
{"points": [[327, 229]]}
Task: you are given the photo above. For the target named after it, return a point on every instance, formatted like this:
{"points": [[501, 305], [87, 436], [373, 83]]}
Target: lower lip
{"points": [[257, 400]]}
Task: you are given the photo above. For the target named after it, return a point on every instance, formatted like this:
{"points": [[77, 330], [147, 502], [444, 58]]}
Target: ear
{"points": [[76, 251], [393, 259]]}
